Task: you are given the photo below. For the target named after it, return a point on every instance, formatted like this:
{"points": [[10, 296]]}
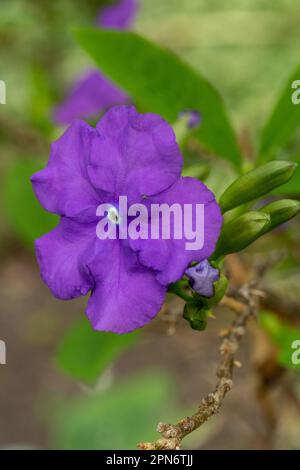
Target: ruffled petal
{"points": [[60, 257], [63, 186], [134, 155], [170, 257], [90, 95], [126, 294]]}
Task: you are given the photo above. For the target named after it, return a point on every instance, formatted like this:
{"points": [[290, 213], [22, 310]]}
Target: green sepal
{"points": [[195, 315]]}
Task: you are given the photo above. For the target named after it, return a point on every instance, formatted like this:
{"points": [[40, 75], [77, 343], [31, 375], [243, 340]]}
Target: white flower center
{"points": [[113, 215]]}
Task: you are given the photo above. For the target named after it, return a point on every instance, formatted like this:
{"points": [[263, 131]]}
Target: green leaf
{"points": [[85, 353], [162, 83], [285, 337], [256, 183], [117, 418], [221, 176], [283, 121], [23, 211], [40, 99]]}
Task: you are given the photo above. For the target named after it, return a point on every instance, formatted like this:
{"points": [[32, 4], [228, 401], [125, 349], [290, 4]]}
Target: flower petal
{"points": [[170, 257], [59, 255], [134, 155], [63, 186], [119, 16], [89, 96], [126, 294]]}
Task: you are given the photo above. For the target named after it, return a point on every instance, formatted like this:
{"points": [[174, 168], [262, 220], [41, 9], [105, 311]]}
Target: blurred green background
{"points": [[65, 386]]}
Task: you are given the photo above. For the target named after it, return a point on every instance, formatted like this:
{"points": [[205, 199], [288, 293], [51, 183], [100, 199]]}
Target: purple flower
{"points": [[202, 277], [118, 16], [194, 118], [93, 93], [127, 154], [90, 95]]}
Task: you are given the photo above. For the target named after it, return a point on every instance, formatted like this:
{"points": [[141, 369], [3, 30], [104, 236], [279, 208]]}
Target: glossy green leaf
{"points": [[85, 353], [162, 83], [283, 121], [25, 214]]}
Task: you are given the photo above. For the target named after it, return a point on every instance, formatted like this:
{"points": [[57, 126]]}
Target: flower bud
{"points": [[195, 315], [280, 212], [256, 183], [238, 233], [202, 277], [192, 117]]}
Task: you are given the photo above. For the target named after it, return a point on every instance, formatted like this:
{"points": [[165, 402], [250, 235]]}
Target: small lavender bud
{"points": [[192, 116], [202, 277]]}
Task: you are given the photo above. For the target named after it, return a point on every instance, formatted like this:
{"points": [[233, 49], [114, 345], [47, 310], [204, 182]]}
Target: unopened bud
{"points": [[239, 233], [280, 212], [195, 315], [256, 183]]}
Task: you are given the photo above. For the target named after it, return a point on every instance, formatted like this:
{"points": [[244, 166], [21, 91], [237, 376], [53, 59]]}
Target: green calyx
{"points": [[197, 309]]}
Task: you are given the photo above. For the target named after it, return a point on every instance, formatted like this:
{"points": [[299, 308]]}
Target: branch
{"points": [[244, 303]]}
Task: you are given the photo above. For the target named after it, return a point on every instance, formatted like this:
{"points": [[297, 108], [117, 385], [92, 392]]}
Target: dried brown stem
{"points": [[233, 304], [245, 304]]}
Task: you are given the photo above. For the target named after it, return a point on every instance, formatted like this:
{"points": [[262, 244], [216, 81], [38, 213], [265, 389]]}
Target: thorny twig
{"points": [[244, 302]]}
